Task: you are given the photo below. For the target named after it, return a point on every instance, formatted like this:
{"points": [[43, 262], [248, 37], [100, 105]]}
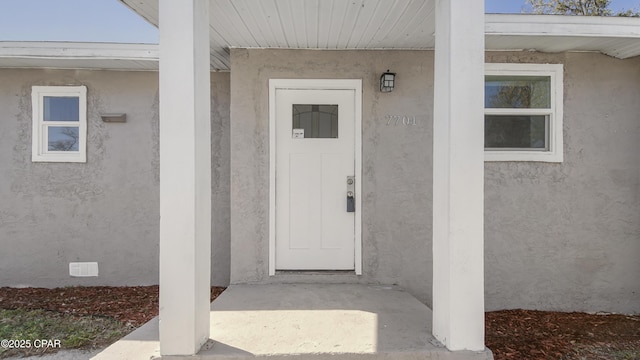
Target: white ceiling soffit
{"points": [[311, 24], [71, 55], [397, 24]]}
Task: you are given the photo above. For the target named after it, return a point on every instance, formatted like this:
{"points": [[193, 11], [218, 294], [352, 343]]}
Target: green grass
{"points": [[73, 331], [613, 350]]}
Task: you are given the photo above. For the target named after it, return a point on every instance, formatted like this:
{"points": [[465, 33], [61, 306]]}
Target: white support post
{"points": [[185, 176], [458, 175]]}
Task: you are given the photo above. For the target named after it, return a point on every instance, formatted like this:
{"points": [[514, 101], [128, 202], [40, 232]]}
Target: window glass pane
{"points": [[318, 121], [528, 92], [63, 138], [516, 132], [61, 108]]}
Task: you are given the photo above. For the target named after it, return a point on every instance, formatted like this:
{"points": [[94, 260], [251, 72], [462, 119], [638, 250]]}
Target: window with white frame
{"points": [[59, 123], [523, 112]]}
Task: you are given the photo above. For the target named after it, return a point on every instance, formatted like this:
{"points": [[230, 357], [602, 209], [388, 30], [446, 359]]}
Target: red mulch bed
{"points": [[510, 334], [530, 334], [134, 305]]}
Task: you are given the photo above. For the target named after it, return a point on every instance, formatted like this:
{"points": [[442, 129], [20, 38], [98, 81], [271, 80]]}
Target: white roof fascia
{"points": [[72, 50], [615, 36], [562, 25], [151, 16], [75, 55]]}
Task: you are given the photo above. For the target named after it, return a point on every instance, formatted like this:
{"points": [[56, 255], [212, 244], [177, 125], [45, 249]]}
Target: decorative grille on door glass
{"points": [[316, 121]]}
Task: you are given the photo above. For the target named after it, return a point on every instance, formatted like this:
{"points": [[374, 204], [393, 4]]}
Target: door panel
{"points": [[313, 229]]}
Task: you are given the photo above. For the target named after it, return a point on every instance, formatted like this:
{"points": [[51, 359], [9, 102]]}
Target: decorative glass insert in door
{"points": [[315, 121]]}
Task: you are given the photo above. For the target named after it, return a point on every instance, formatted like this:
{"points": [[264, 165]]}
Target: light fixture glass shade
{"points": [[387, 81]]}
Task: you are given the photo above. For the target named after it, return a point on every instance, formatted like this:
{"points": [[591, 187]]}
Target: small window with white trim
{"points": [[523, 112], [59, 123]]}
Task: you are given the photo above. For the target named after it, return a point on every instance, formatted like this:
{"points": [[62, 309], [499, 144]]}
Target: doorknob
{"points": [[351, 191]]}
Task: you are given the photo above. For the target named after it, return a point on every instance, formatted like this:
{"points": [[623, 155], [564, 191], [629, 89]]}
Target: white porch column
{"points": [[458, 175], [185, 176]]}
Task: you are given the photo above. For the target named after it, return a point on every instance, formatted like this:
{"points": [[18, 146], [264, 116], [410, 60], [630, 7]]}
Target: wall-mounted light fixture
{"points": [[118, 118], [387, 81]]}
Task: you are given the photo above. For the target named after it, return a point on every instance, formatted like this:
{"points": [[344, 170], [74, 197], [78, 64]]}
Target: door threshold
{"points": [[315, 272], [315, 277]]}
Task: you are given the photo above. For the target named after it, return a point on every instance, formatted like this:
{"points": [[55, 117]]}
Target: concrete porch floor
{"points": [[307, 321]]}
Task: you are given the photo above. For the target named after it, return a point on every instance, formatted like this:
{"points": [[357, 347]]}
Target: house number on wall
{"points": [[396, 120]]}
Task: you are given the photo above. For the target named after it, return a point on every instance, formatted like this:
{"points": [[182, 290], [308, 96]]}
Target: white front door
{"points": [[315, 155]]}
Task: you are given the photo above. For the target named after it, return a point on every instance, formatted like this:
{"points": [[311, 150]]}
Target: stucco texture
{"points": [[107, 209], [567, 236], [396, 179], [558, 236]]}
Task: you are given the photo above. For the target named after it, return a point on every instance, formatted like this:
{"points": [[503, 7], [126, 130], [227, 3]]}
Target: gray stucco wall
{"points": [[557, 236], [220, 199], [567, 236], [396, 177], [104, 210]]}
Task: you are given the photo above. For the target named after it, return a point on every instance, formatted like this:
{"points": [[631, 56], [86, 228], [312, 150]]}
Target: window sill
{"points": [[536, 156], [75, 158]]}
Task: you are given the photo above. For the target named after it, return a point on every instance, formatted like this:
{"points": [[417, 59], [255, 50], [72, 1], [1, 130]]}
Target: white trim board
{"points": [[75, 50], [319, 84], [68, 55], [561, 25]]}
